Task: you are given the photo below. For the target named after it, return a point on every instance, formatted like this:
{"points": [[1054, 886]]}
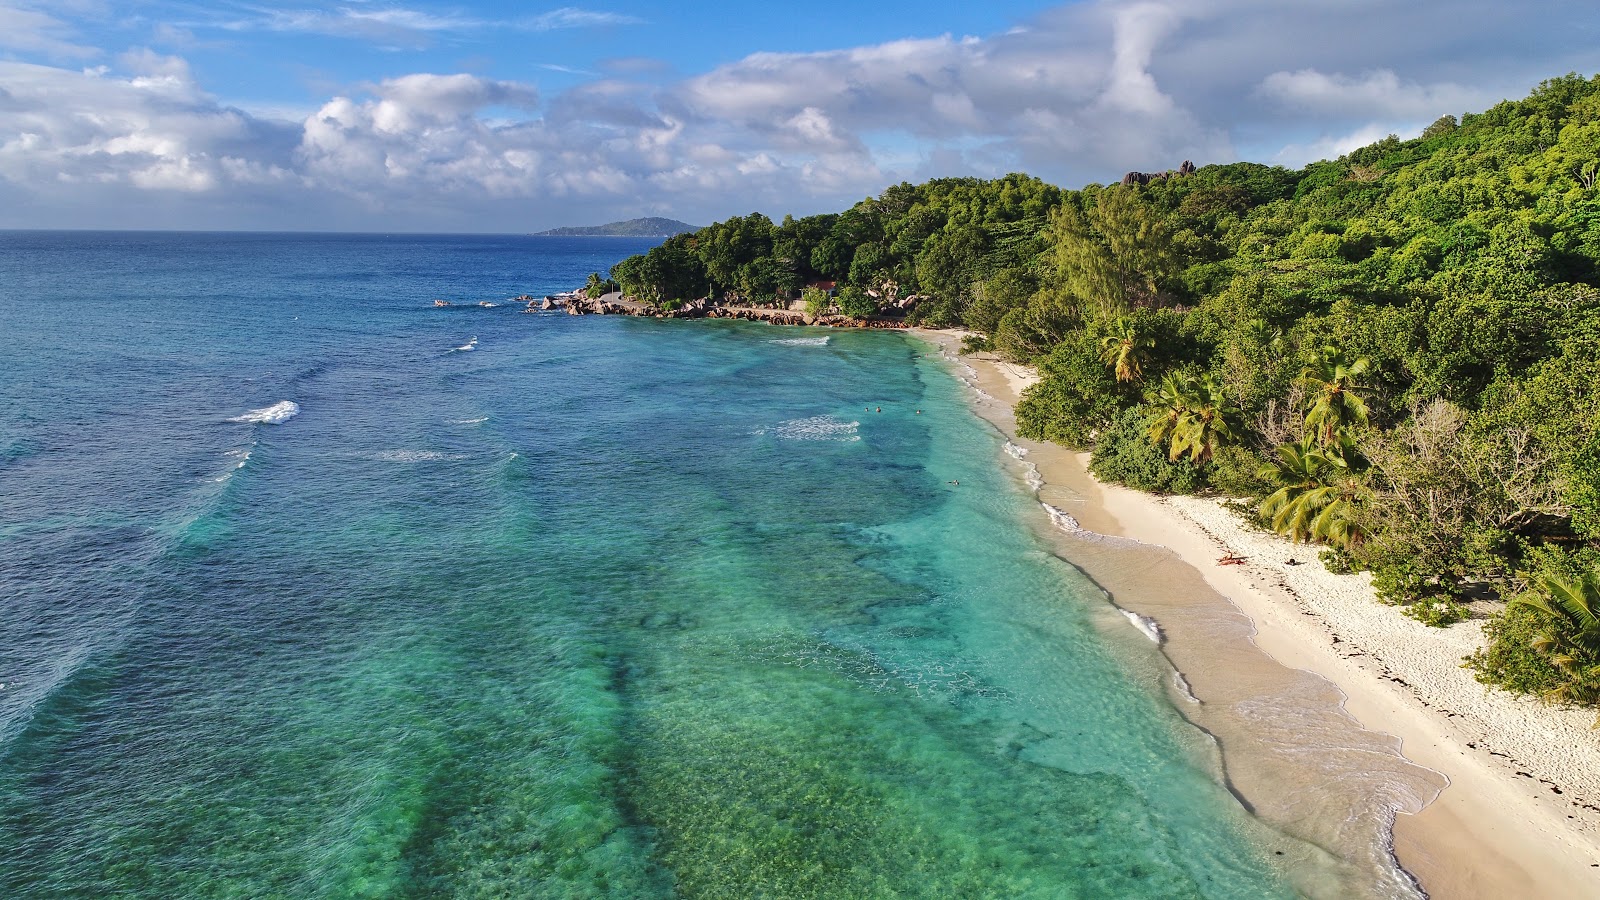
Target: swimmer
{"points": [[880, 409], [952, 482], [919, 412]]}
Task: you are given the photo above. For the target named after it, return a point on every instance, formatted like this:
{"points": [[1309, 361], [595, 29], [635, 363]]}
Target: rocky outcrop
{"points": [[578, 303], [1133, 178]]}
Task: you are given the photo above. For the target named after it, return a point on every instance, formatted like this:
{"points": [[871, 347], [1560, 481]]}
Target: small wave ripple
{"points": [[815, 428], [802, 342], [413, 456]]}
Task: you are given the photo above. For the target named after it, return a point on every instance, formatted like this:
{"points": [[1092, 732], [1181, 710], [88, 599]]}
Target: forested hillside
{"points": [[1394, 355]]}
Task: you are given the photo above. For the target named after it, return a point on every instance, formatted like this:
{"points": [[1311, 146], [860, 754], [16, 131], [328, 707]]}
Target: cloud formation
{"points": [[1082, 93]]}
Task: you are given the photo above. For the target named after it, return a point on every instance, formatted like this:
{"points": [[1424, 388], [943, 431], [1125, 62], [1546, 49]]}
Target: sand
{"points": [[1324, 699]]}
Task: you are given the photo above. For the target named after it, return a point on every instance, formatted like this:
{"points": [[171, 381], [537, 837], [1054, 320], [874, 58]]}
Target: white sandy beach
{"points": [[1520, 817]]}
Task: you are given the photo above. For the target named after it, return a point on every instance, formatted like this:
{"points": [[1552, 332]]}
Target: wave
{"points": [[1147, 626], [1015, 451], [412, 456], [276, 414], [1034, 477], [816, 428], [469, 345], [478, 421], [1182, 684], [240, 457], [803, 341], [1064, 521]]}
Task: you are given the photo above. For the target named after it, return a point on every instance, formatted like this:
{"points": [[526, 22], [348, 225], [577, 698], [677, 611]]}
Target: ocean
{"points": [[309, 588]]}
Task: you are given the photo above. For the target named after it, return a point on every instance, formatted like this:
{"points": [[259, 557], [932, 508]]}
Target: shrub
{"points": [[1510, 661], [1125, 454]]}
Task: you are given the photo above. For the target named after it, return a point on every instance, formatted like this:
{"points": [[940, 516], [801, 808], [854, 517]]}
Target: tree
{"points": [[855, 302], [1116, 254], [1299, 469], [1125, 350], [1208, 422], [816, 301], [1570, 638], [1168, 402], [1335, 405]]}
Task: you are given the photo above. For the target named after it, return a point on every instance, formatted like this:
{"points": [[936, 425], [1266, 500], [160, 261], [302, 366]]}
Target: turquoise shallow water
{"points": [[600, 607]]}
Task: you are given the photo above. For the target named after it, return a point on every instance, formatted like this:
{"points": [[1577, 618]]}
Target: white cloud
{"points": [[397, 24], [572, 17], [23, 27], [1379, 93], [1330, 146], [1082, 93]]}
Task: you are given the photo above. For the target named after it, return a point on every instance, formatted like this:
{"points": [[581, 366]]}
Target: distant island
{"points": [[653, 226]]}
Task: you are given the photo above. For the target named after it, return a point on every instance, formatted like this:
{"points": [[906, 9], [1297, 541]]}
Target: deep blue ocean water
{"points": [[517, 605]]}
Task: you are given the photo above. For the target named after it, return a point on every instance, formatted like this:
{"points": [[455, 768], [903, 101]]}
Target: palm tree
{"points": [[1335, 404], [1169, 400], [1572, 633], [1125, 350], [1299, 469], [1319, 493], [1208, 421]]}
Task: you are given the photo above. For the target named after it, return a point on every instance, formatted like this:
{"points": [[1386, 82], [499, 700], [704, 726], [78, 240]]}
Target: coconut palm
{"points": [[1335, 403], [1299, 469], [1208, 421], [1319, 493], [1168, 403], [1125, 350], [1571, 637]]}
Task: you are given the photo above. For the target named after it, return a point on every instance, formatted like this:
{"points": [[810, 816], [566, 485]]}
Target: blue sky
{"points": [[492, 116]]}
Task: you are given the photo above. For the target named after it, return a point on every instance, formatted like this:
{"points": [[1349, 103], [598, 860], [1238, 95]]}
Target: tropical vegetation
{"points": [[1393, 355]]}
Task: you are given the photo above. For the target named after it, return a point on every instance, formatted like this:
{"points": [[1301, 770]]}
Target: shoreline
{"points": [[1501, 795]]}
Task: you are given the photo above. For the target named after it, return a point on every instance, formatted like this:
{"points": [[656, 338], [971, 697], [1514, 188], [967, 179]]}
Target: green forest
{"points": [[1394, 355]]}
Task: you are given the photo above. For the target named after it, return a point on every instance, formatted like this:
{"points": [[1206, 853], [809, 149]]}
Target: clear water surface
{"points": [[538, 605]]}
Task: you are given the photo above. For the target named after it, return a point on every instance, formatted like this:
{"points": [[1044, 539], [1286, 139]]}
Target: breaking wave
{"points": [[276, 414], [1146, 625]]}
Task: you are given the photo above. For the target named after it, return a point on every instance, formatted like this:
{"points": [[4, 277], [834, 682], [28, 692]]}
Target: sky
{"points": [[479, 116]]}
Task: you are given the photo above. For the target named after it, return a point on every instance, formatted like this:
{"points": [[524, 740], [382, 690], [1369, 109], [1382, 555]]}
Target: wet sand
{"points": [[1294, 671]]}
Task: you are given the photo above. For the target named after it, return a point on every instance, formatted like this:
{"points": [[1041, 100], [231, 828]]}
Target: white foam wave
{"points": [[816, 428], [1015, 451], [1146, 625], [1182, 684], [276, 414], [1064, 521], [1034, 477], [469, 345], [478, 421], [411, 456], [803, 341]]}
